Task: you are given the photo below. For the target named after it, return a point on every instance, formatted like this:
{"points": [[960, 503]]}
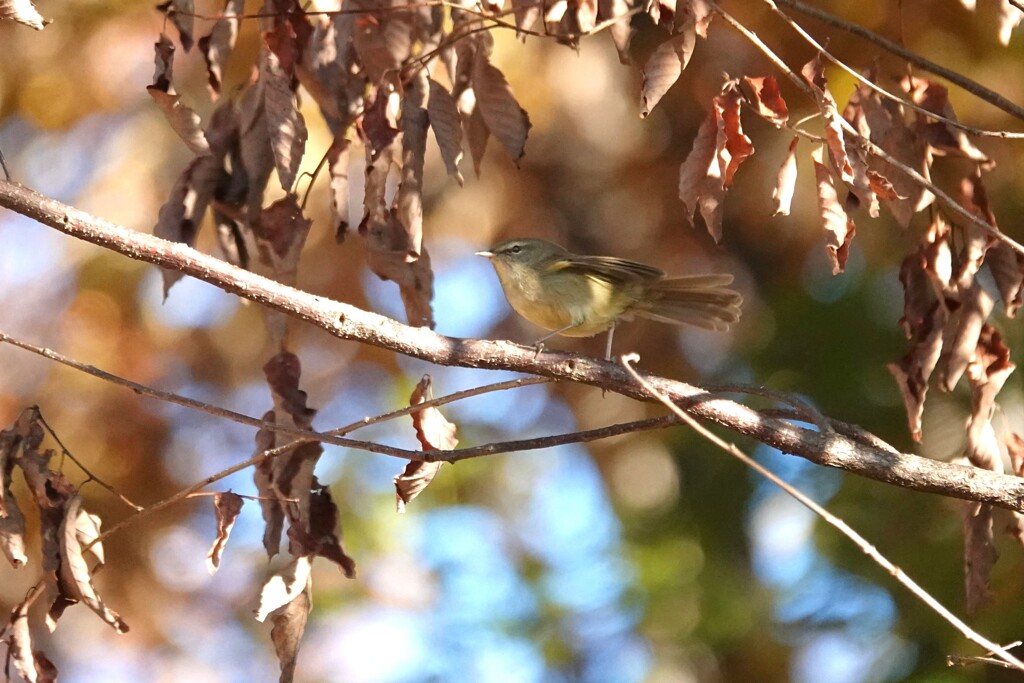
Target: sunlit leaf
{"points": [[228, 506]]}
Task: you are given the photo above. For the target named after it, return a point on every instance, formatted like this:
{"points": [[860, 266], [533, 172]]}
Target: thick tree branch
{"points": [[864, 457]]}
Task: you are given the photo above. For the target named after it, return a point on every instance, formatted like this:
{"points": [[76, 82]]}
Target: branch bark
{"points": [[865, 456]]}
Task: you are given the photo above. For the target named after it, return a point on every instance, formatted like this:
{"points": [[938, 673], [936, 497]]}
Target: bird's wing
{"points": [[608, 267]]}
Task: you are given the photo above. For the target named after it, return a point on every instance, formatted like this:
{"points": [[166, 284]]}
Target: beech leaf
{"points": [[839, 227], [785, 181], [447, 126], [217, 45], [434, 432], [768, 99], [665, 65], [289, 626], [23, 12], [284, 586], [182, 15], [285, 124], [506, 120], [228, 506], [184, 121]]}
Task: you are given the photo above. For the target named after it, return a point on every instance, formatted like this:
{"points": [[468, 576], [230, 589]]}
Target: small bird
{"points": [[580, 296]]}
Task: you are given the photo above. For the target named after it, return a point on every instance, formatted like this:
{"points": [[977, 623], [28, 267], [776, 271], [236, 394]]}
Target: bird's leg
{"points": [[608, 347], [539, 344]]}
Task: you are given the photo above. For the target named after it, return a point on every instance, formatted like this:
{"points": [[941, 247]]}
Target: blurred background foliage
{"points": [[642, 558]]}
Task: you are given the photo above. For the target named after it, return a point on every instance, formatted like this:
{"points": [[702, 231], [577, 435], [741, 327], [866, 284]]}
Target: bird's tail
{"points": [[700, 300]]}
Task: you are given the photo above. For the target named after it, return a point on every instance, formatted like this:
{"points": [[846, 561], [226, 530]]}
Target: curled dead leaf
{"points": [[785, 181], [227, 506], [839, 227]]}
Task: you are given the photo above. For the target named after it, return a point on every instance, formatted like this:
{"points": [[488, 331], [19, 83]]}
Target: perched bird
{"points": [[580, 296]]}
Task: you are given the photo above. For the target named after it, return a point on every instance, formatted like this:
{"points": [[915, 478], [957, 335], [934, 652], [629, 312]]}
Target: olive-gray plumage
{"points": [[580, 296]]}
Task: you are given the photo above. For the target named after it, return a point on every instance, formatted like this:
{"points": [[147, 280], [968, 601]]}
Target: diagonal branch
{"points": [[863, 456], [973, 87]]}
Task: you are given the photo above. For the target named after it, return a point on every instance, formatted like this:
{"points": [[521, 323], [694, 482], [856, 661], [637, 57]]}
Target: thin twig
{"points": [[967, 84], [882, 91], [951, 204], [64, 449], [836, 522], [440, 401], [429, 456], [276, 499]]}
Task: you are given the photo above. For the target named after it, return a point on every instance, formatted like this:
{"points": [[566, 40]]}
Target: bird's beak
{"points": [[486, 254]]}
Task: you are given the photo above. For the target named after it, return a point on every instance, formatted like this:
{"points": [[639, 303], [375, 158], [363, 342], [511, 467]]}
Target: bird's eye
{"points": [[516, 249]]}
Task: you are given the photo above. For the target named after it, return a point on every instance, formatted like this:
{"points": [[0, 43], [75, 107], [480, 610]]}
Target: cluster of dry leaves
{"points": [[952, 280], [67, 537]]}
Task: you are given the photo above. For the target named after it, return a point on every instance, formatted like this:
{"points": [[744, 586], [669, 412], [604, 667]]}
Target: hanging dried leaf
{"points": [[31, 665], [434, 433], [768, 99], [254, 146], [621, 31], [974, 198], [321, 536], [1010, 17], [814, 73], [881, 186], [700, 177], [284, 586], [337, 160], [263, 477], [665, 65], [12, 530], [163, 64], [409, 199], [285, 124], [979, 554], [184, 121], [75, 576], [181, 215], [217, 45], [586, 15], [182, 15], [940, 136], [227, 506], [23, 12], [382, 44], [477, 135], [963, 332], [785, 181], [289, 626], [506, 120], [447, 125], [526, 12], [281, 233], [1007, 266], [733, 146], [839, 227]]}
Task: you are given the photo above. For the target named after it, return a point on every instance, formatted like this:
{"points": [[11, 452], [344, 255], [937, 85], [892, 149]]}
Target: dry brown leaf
{"points": [[181, 215], [284, 586], [664, 66], [228, 506], [974, 198], [12, 532], [217, 45], [506, 120], [32, 665], [839, 227], [263, 477], [1007, 266], [785, 181], [881, 186], [254, 146], [75, 576], [382, 44], [700, 178], [963, 332], [289, 626], [526, 12], [281, 233], [285, 124], [477, 135], [979, 554], [733, 146], [447, 125], [163, 64], [768, 99], [337, 160], [23, 12], [1010, 17], [940, 136], [184, 121], [434, 432], [379, 124], [321, 536], [182, 15], [621, 31], [408, 206], [814, 73]]}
